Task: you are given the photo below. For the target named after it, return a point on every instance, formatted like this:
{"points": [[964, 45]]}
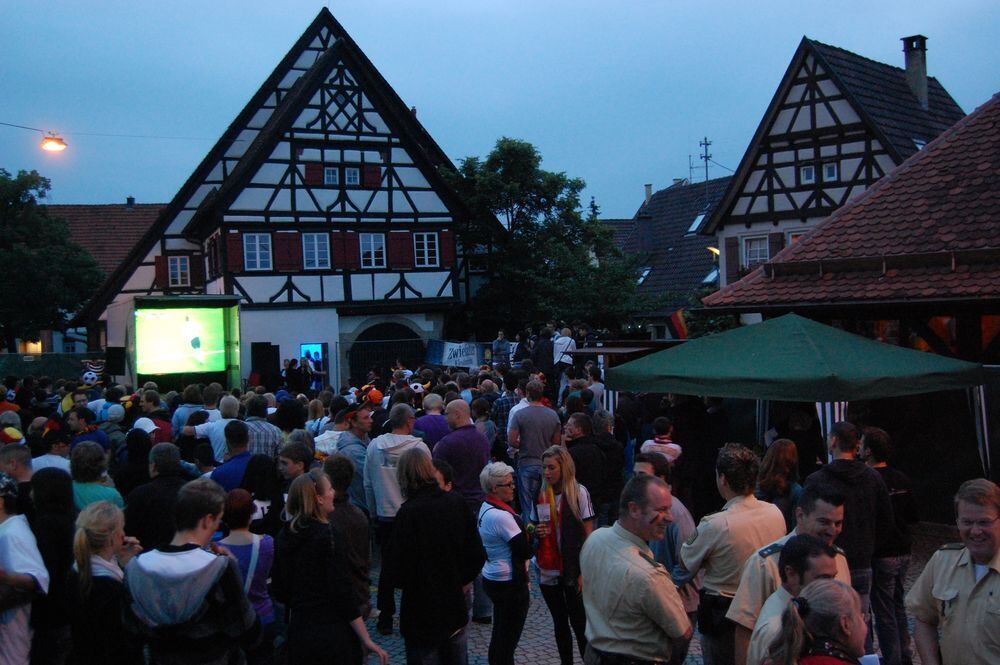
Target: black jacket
{"points": [[310, 574], [614, 468], [541, 355], [590, 466], [98, 636], [867, 510], [434, 552], [149, 511]]}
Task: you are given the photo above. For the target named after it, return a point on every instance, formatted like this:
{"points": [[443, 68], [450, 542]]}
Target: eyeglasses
{"points": [[511, 484], [982, 524]]}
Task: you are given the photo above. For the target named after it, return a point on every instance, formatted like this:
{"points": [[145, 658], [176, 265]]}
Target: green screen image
{"points": [[174, 341]]}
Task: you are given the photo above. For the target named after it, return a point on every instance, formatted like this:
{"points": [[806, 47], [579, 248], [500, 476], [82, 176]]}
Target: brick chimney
{"points": [[649, 192], [915, 53], [130, 202]]}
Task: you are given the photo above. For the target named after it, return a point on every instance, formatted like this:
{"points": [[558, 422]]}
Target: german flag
{"points": [[677, 325]]}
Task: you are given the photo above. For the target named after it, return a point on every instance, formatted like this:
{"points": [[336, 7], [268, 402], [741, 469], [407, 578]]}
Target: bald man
{"points": [[467, 450]]}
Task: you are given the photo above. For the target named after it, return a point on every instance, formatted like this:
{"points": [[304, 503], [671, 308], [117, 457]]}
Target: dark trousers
{"points": [[510, 609], [718, 634], [386, 599], [888, 575], [565, 605]]}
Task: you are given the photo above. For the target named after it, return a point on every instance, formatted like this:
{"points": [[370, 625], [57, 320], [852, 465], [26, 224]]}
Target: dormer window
{"points": [[807, 175], [331, 175], [643, 275]]}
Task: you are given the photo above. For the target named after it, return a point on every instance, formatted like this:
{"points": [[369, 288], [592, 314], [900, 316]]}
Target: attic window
{"points": [[643, 275], [696, 223], [807, 175], [331, 175], [919, 143], [712, 277], [179, 271]]}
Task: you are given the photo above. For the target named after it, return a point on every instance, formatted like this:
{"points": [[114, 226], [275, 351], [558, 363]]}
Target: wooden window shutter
{"points": [[314, 174], [197, 263], [775, 243], [732, 259], [371, 176], [400, 250], [338, 259], [447, 248], [234, 252], [162, 279], [352, 250], [288, 252]]}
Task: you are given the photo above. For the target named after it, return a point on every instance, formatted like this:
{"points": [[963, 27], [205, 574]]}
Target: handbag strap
{"points": [[252, 568]]}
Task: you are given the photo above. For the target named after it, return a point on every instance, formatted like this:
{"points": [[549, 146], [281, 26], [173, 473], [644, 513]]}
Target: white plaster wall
{"points": [[288, 328]]}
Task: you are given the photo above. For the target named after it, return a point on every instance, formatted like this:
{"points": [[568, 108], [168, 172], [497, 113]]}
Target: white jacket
{"points": [[382, 493]]}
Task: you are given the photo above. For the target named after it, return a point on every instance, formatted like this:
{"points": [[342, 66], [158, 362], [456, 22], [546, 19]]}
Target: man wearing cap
{"points": [[955, 603], [22, 573], [353, 443], [55, 443], [112, 427]]}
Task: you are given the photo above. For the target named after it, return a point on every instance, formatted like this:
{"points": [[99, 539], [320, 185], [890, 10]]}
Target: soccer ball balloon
{"points": [[90, 378]]}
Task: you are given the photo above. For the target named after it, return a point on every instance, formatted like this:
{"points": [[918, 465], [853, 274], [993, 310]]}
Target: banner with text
{"points": [[458, 354]]}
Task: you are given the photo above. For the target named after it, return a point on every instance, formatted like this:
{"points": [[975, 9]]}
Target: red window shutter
{"points": [[775, 243], [400, 250], [162, 278], [287, 252], [732, 259], [338, 256], [314, 174], [447, 248], [197, 263], [234, 252], [352, 251], [371, 176]]}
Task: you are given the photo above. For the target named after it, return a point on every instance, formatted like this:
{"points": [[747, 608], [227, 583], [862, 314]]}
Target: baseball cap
{"points": [[145, 424]]}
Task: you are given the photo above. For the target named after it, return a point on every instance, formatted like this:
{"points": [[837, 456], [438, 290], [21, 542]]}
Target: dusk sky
{"points": [[617, 93]]}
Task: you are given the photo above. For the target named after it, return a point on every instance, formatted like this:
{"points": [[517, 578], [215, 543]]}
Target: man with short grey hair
{"points": [[382, 493], [215, 430], [150, 507], [634, 613]]}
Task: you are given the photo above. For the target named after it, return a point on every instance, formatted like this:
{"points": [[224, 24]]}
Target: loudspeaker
{"points": [[265, 360], [114, 357]]}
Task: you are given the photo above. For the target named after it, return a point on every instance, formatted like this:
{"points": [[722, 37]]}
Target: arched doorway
{"points": [[379, 346]]}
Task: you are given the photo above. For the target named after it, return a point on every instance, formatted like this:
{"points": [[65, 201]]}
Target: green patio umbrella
{"points": [[792, 358]]}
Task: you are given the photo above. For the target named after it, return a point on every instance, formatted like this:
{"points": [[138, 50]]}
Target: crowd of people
{"points": [[229, 526]]}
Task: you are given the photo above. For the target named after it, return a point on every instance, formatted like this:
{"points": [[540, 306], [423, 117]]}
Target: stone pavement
{"points": [[537, 645]]}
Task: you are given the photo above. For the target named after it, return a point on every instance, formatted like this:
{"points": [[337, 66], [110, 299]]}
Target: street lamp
{"points": [[53, 143]]}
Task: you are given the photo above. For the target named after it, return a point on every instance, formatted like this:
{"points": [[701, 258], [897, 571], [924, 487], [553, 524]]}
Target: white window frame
{"points": [[315, 251], [745, 251], [426, 250], [374, 245], [827, 175], [257, 245], [807, 174], [696, 223], [331, 176], [352, 176], [178, 271]]}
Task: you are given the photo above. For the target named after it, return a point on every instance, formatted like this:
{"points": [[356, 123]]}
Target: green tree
{"points": [[548, 260], [46, 276]]}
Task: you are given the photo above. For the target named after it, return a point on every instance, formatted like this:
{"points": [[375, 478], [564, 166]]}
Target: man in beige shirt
{"points": [[955, 602], [723, 542], [820, 513], [802, 560], [634, 613]]}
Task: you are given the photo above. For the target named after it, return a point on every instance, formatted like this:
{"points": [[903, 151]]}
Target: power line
{"points": [[121, 136], [10, 124], [722, 165]]}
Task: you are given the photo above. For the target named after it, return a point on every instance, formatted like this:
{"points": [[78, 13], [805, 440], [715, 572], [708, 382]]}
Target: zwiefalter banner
{"points": [[457, 354]]}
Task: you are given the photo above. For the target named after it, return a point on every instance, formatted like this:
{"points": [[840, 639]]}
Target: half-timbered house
{"points": [[322, 207], [836, 124]]}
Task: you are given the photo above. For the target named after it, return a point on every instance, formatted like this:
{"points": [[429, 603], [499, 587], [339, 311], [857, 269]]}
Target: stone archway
{"points": [[379, 346]]}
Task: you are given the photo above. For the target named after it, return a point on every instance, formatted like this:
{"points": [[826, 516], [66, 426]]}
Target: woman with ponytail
{"points": [[565, 519], [100, 552], [823, 625]]}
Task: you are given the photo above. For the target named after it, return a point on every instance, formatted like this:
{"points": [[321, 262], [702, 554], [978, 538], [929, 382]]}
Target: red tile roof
{"points": [[108, 232], [928, 230]]}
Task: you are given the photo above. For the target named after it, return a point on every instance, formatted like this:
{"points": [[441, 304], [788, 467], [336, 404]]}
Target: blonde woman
{"points": [[565, 520], [100, 552], [310, 576], [823, 625]]}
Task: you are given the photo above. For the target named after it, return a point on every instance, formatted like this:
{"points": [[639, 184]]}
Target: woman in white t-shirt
{"points": [[505, 574], [570, 521]]}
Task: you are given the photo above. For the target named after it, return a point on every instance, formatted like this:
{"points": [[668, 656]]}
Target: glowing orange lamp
{"points": [[53, 143]]}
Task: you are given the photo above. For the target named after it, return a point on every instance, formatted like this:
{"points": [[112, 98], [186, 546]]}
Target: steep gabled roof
{"points": [[882, 92], [927, 231], [879, 94], [661, 231], [108, 232], [302, 61]]}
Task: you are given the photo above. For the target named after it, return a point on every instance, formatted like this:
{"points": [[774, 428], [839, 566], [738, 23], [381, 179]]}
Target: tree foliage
{"points": [[46, 276], [549, 261]]}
